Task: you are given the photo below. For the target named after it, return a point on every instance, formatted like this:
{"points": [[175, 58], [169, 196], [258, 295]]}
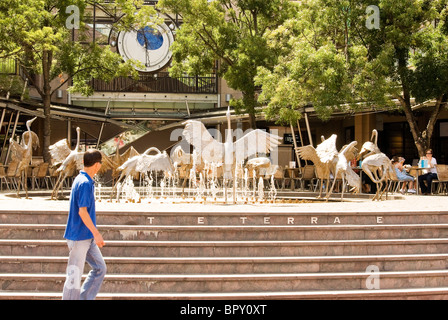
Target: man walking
{"points": [[83, 238]]}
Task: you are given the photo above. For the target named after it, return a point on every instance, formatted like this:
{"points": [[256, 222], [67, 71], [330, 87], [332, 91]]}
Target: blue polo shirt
{"points": [[82, 195]]}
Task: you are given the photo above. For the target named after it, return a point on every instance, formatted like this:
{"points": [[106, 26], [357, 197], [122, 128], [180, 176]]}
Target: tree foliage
{"points": [[37, 34], [332, 60], [231, 32]]}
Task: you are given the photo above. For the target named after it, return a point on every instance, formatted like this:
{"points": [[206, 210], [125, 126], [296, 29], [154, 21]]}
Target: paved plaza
{"points": [[405, 203]]}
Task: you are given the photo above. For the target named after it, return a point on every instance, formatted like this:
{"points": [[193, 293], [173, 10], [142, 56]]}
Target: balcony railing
{"points": [[158, 83]]}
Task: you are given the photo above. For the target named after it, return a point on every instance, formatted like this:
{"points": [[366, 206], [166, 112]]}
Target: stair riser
{"points": [[229, 267], [227, 234], [194, 219], [365, 295], [241, 285], [260, 250]]}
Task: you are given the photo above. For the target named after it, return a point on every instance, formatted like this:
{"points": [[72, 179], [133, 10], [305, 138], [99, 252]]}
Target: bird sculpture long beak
{"points": [[29, 122]]}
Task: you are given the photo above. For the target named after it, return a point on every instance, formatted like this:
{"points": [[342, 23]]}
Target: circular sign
{"points": [[149, 46]]}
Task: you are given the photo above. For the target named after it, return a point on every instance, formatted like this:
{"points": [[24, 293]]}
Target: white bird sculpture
{"points": [[228, 153], [342, 167], [323, 157], [69, 159], [23, 153], [143, 163], [376, 165], [118, 159], [258, 164]]}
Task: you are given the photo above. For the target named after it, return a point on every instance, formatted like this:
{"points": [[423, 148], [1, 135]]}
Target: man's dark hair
{"points": [[91, 157]]}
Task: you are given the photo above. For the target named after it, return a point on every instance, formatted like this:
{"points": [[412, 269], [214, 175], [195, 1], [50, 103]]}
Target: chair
{"points": [[40, 175], [442, 179], [308, 174], [11, 173], [278, 177], [3, 178], [291, 176], [394, 183]]}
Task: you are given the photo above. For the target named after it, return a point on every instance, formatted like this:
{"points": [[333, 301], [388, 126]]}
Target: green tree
{"points": [[354, 66], [231, 32], [50, 40]]}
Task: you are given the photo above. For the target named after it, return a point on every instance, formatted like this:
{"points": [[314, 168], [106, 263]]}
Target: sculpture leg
{"points": [[55, 188], [234, 186], [327, 185], [115, 186], [60, 184], [332, 186], [320, 188], [19, 183], [343, 187], [25, 186]]}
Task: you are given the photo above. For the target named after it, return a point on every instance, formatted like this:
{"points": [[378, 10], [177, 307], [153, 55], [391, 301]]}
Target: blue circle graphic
{"points": [[149, 38]]}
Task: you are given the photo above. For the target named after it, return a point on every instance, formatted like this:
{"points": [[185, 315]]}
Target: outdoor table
{"points": [[418, 170]]}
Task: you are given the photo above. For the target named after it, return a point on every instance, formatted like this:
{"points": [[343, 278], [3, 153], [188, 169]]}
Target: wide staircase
{"points": [[235, 255]]}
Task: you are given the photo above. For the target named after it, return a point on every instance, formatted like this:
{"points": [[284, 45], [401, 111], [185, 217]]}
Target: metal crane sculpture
{"points": [[143, 163], [341, 166], [118, 159], [69, 159], [323, 157], [376, 165], [228, 153], [23, 153]]}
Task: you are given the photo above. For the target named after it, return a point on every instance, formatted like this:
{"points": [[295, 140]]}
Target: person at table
{"points": [[398, 163], [428, 175]]}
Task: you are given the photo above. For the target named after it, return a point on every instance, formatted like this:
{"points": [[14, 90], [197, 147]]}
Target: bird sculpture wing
{"points": [[158, 162], [256, 141], [196, 134], [350, 151], [34, 137], [161, 162], [353, 179], [59, 151], [309, 153], [17, 151], [107, 163], [129, 166], [326, 151], [131, 152]]}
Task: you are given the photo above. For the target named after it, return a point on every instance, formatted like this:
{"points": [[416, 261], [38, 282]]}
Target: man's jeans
{"points": [[80, 252]]}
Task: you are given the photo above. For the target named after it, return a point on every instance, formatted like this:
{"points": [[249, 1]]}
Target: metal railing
{"points": [[158, 83]]}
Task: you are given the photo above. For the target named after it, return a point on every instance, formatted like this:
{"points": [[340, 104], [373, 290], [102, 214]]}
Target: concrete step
{"points": [[229, 218], [190, 283], [381, 294], [249, 248], [232, 265], [219, 233]]}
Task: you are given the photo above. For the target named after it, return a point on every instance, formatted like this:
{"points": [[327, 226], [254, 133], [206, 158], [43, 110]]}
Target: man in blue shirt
{"points": [[83, 238]]}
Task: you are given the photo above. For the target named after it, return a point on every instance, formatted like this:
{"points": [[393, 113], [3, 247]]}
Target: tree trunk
{"points": [[46, 97], [249, 101], [422, 139]]}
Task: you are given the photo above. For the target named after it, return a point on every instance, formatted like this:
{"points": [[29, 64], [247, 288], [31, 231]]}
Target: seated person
{"points": [[398, 163], [428, 175]]}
